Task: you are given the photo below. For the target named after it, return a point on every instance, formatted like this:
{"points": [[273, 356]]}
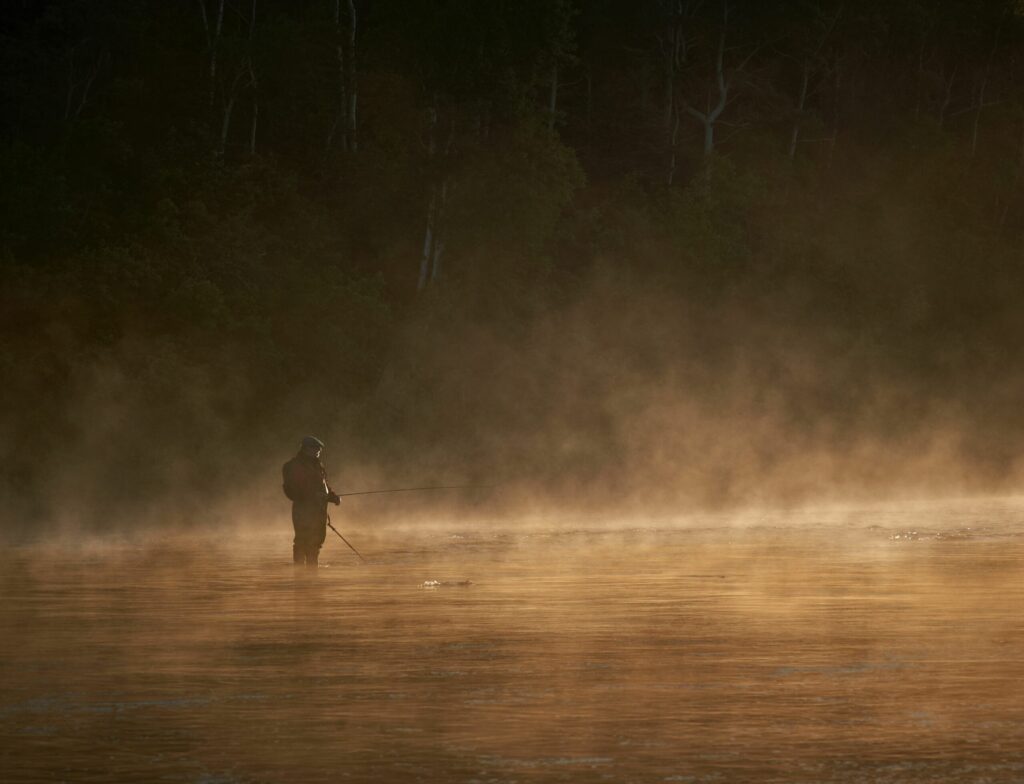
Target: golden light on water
{"points": [[873, 645]]}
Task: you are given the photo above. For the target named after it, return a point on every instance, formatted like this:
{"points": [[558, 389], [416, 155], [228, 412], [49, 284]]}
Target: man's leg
{"points": [[298, 544], [312, 555], [316, 540]]}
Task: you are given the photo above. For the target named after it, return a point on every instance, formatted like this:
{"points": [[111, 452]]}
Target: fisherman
{"points": [[305, 484]]}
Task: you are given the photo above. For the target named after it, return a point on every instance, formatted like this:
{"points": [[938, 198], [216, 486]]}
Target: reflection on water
{"points": [[885, 646]]}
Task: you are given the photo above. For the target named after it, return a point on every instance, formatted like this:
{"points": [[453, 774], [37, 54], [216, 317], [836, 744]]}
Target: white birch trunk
{"points": [[252, 82], [76, 98], [225, 124], [339, 121], [553, 98], [255, 113], [674, 52], [230, 98], [947, 97], [70, 97], [1015, 184], [433, 238], [976, 122], [429, 234], [351, 91], [670, 179], [712, 113], [213, 35], [919, 97], [590, 99], [435, 269], [833, 140], [345, 121], [428, 245], [794, 137]]}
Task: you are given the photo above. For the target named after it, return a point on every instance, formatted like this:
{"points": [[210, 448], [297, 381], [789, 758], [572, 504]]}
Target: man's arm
{"points": [[288, 483], [332, 496]]}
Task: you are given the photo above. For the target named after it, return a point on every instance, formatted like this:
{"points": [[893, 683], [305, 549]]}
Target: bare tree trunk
{"points": [[723, 86], [78, 90], [339, 121], [553, 98], [811, 61], [919, 97], [668, 104], [709, 137], [230, 97], [1015, 184], [255, 111], [252, 82], [439, 238], [70, 97], [214, 49], [428, 244], [836, 85], [980, 104], [794, 137], [712, 113], [590, 98], [947, 97], [225, 124], [433, 237], [345, 116], [832, 141], [213, 35], [977, 115], [674, 53], [672, 152], [430, 233], [351, 91]]}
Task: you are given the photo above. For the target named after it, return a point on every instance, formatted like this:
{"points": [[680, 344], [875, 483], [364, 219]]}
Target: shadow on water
{"points": [[879, 646]]}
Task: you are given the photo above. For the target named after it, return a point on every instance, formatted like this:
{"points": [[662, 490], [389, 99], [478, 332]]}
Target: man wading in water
{"points": [[305, 483]]}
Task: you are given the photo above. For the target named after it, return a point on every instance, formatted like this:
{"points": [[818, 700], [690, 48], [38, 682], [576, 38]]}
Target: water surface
{"points": [[880, 645]]}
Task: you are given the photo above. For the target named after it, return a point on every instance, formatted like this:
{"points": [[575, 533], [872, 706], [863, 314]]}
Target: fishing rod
{"points": [[346, 541], [411, 489], [397, 490]]}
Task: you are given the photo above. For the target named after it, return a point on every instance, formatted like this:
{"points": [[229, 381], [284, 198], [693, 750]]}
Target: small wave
{"points": [[955, 534], [446, 583]]}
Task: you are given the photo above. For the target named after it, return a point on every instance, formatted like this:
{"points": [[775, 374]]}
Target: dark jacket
{"points": [[305, 480]]}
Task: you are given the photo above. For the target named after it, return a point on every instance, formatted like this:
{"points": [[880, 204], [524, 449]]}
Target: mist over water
{"points": [[196, 270], [621, 401], [877, 643], [732, 395]]}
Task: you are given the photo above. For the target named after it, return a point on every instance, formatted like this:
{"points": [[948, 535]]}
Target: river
{"points": [[880, 644]]}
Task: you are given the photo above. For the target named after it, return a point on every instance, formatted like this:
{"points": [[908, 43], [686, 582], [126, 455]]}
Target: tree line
{"points": [[224, 223]]}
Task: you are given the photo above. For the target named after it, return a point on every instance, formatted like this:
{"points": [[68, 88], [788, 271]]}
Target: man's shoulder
{"points": [[299, 463]]}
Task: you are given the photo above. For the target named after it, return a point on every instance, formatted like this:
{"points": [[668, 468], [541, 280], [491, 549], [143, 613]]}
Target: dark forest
{"points": [[603, 254]]}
